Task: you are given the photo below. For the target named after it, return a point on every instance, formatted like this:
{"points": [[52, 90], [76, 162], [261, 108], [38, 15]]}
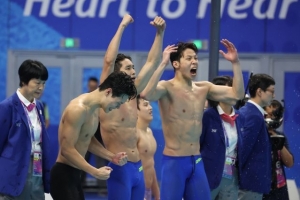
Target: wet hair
{"points": [[121, 84], [94, 79], [31, 69], [182, 46], [262, 81], [119, 59], [220, 80]]}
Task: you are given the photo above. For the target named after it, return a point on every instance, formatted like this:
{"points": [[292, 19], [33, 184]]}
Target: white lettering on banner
{"points": [[233, 7], [285, 7], [44, 8], [257, 5], [151, 9], [90, 12], [269, 14], [176, 14], [104, 8], [123, 8], [58, 6], [236, 9]]}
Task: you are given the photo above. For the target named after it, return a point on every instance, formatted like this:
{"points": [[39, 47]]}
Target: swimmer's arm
{"points": [[153, 57], [219, 93], [113, 48], [69, 135], [155, 187], [155, 89], [237, 90], [97, 148], [155, 92], [224, 93]]}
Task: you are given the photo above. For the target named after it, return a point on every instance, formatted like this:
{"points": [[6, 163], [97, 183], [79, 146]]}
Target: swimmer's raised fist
{"points": [[159, 23], [127, 19]]}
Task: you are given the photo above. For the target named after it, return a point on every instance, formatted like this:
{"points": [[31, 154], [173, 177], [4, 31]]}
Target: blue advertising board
{"points": [[253, 25]]}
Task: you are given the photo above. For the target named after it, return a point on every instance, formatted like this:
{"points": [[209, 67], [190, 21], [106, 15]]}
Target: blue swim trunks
{"points": [[183, 177], [126, 182]]}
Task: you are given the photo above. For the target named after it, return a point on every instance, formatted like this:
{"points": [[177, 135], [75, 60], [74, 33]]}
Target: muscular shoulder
{"points": [[75, 111], [164, 83], [149, 131], [205, 84]]}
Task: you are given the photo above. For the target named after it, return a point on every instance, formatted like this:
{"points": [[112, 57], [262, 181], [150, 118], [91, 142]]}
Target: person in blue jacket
{"points": [[255, 154], [219, 143], [24, 142]]}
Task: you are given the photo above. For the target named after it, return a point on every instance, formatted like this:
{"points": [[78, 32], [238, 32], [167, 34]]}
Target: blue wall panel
{"points": [[292, 121], [52, 94], [3, 46], [87, 73]]}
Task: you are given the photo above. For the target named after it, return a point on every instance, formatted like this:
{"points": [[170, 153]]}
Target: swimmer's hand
{"points": [[103, 173], [167, 51], [231, 54], [119, 158], [159, 23], [127, 19]]}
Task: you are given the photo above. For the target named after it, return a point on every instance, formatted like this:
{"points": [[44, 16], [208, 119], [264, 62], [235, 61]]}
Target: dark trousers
{"points": [[65, 183]]}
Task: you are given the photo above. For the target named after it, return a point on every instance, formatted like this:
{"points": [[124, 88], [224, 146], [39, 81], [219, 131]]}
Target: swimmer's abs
{"points": [[132, 153], [183, 149]]}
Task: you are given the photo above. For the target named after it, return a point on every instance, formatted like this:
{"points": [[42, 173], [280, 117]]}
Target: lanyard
{"points": [[226, 135], [227, 140], [30, 124]]}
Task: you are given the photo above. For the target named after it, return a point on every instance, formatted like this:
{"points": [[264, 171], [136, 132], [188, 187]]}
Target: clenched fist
{"points": [[127, 19], [102, 173], [159, 23]]}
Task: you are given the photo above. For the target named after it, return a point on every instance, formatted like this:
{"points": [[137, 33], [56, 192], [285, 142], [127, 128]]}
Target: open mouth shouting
{"points": [[193, 71]]}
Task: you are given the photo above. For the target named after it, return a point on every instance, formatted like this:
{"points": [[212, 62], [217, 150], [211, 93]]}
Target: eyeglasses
{"points": [[271, 91]]}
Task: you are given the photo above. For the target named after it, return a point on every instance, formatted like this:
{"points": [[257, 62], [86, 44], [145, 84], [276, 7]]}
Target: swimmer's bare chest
{"points": [[183, 104], [147, 144], [89, 127], [124, 117]]}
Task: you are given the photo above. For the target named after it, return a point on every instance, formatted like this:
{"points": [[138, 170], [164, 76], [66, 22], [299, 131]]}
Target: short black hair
{"points": [[31, 69], [119, 59], [220, 80], [262, 81], [279, 109], [92, 78], [121, 84], [182, 46]]}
